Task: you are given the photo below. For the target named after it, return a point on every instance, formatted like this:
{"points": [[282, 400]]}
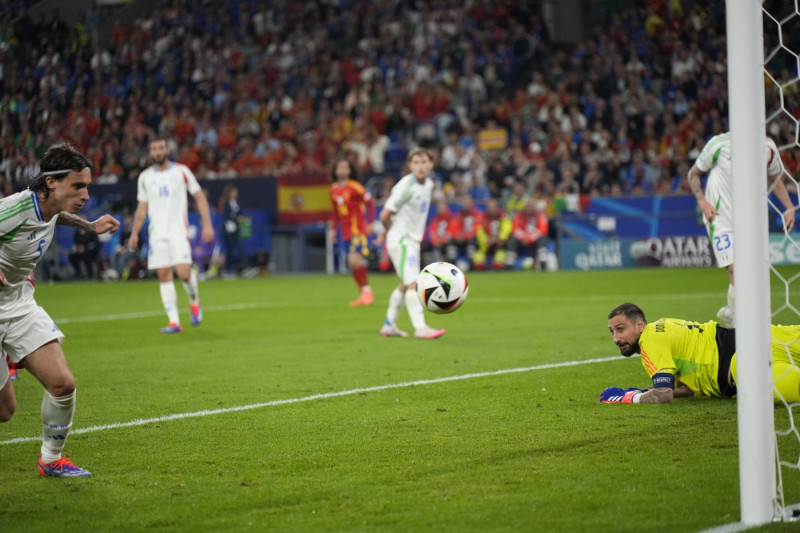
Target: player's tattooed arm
{"points": [[658, 395], [693, 177], [665, 394], [101, 225], [68, 219]]}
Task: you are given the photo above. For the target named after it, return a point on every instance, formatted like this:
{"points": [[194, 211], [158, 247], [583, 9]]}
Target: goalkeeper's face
{"points": [[626, 334]]}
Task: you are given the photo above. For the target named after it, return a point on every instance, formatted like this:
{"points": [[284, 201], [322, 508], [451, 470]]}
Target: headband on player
{"points": [[57, 172]]}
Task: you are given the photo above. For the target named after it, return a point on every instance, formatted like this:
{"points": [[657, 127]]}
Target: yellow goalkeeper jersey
{"points": [[683, 349]]}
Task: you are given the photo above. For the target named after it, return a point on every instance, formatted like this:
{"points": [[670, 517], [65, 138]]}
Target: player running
{"points": [[352, 206], [162, 190], [27, 333], [404, 216]]}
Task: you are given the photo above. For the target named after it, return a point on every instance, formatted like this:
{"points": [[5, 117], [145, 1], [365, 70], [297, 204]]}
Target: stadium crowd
{"points": [[246, 88]]}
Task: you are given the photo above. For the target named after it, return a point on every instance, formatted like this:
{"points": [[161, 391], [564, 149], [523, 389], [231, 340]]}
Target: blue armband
{"points": [[663, 380]]}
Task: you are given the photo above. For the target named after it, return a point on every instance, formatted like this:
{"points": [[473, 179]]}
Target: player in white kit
{"points": [[405, 215], [717, 203], [27, 333], [162, 190]]}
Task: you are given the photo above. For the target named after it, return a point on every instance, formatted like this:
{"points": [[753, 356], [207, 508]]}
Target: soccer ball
{"points": [[442, 287]]}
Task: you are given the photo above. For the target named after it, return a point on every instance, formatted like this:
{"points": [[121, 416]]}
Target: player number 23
{"points": [[722, 242]]}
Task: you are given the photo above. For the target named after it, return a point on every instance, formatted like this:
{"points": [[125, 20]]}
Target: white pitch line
{"points": [[148, 314], [321, 396], [733, 527], [279, 304]]}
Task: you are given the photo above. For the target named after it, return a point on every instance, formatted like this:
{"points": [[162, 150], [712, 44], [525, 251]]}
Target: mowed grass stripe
{"points": [[285, 304]]}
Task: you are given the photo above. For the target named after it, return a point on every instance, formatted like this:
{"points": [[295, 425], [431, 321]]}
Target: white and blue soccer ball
{"points": [[442, 287]]}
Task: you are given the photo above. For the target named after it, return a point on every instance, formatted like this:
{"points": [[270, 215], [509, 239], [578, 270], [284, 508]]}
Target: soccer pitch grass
{"points": [[300, 417]]}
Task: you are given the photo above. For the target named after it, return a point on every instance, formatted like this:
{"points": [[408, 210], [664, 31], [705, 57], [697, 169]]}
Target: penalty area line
{"points": [[321, 396]]}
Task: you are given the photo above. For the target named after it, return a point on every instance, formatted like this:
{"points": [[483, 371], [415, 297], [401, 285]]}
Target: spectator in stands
{"points": [[518, 199], [455, 155], [84, 254], [108, 175], [439, 244], [464, 229], [529, 236], [492, 237], [611, 89], [127, 261]]}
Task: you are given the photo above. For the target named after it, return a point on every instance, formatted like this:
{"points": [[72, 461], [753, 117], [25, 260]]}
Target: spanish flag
{"points": [[303, 198], [493, 139]]}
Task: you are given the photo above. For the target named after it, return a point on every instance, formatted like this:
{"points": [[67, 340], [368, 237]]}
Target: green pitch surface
{"points": [[286, 411]]}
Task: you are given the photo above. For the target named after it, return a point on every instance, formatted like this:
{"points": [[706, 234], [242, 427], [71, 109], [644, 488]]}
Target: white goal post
{"points": [[757, 466]]}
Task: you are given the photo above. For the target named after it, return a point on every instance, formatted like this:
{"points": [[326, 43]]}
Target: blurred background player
{"points": [[13, 374], [405, 215], [352, 206], [529, 235], [717, 203], [235, 255], [439, 243], [162, 190], [27, 333], [464, 229], [492, 237]]}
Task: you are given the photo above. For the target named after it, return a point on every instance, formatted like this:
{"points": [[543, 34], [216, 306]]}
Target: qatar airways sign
{"points": [[692, 251]]}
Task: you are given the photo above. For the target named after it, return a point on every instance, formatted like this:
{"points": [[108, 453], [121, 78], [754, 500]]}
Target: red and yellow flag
{"points": [[303, 198]]}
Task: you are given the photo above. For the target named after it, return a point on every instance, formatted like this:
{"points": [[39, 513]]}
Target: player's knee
{"points": [[62, 386], [7, 409]]}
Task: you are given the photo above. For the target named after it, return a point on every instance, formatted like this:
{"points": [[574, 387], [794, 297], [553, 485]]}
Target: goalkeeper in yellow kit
{"points": [[685, 358]]}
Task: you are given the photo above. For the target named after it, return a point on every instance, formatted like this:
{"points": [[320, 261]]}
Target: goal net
{"points": [[781, 39]]}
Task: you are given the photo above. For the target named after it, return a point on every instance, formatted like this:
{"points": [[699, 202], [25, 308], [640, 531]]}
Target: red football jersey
{"points": [[352, 206], [528, 228], [465, 225], [438, 233]]}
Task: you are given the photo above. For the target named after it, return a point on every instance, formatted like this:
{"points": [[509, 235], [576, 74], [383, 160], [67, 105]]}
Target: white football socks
{"points": [[415, 310], [395, 306], [191, 289], [731, 299], [56, 423], [169, 297]]}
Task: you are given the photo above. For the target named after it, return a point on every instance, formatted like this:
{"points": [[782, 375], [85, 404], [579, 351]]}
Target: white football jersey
{"points": [[715, 159], [165, 193], [24, 238], [410, 201]]}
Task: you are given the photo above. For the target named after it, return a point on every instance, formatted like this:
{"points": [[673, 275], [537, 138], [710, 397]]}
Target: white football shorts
{"points": [[23, 335], [166, 253], [405, 256], [720, 233]]}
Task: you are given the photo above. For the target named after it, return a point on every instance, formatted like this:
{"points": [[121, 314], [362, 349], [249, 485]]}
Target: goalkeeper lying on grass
{"points": [[684, 358]]}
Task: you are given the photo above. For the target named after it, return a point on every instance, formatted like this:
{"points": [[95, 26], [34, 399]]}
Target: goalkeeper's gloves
{"points": [[618, 395]]}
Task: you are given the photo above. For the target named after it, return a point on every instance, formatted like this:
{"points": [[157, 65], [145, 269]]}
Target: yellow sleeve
{"points": [[656, 351]]}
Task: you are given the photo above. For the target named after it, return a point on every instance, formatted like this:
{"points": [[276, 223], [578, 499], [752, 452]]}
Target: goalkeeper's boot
{"points": [[172, 327], [392, 331], [62, 468], [12, 369], [725, 316], [197, 313], [428, 333]]}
